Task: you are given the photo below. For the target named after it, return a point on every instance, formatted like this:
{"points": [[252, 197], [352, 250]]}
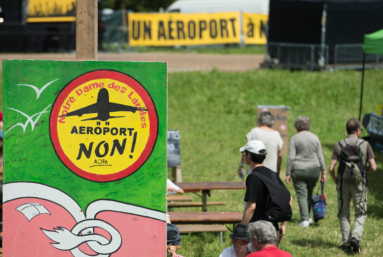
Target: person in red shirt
{"points": [[263, 239]]}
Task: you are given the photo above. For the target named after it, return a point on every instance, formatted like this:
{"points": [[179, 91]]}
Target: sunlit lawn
{"points": [[215, 110]]}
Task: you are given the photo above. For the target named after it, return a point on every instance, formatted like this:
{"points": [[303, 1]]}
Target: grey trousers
{"points": [[304, 183], [358, 194]]}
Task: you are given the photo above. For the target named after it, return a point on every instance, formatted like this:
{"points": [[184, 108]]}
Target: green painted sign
{"points": [[85, 140]]}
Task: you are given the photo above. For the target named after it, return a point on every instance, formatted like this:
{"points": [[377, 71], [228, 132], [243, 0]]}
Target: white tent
{"points": [[210, 6]]}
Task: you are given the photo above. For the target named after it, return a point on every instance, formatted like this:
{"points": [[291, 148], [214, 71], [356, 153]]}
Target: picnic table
{"points": [[205, 217], [206, 187]]}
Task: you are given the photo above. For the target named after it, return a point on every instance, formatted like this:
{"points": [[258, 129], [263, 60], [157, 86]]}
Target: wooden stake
{"points": [[86, 30]]}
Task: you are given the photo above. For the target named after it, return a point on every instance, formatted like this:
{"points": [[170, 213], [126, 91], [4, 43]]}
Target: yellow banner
{"points": [[169, 29], [380, 109], [254, 28], [51, 11]]}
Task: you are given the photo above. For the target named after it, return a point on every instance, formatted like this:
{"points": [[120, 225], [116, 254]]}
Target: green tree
{"points": [[137, 5]]}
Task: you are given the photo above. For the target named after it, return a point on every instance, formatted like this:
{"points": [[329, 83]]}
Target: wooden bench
{"points": [[193, 204], [205, 217], [186, 229], [179, 198]]}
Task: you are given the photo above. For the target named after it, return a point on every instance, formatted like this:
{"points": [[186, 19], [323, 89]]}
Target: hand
{"points": [[335, 180], [243, 251], [323, 178], [288, 177], [240, 170], [282, 229], [172, 249]]}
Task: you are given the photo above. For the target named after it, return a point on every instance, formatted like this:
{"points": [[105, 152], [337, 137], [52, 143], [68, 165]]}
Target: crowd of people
{"points": [[305, 167], [262, 229], [259, 235]]}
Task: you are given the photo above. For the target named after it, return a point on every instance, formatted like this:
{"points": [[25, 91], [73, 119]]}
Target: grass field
{"points": [[215, 110]]}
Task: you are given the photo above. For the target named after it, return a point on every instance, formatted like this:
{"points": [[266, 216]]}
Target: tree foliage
{"points": [[137, 5]]}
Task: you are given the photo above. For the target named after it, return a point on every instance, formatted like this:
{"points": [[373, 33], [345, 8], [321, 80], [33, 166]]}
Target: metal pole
{"points": [[361, 90], [312, 58], [221, 237], [323, 38]]}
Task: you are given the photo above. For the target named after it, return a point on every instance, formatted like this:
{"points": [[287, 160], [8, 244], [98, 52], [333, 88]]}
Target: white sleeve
{"points": [[169, 183], [280, 142]]}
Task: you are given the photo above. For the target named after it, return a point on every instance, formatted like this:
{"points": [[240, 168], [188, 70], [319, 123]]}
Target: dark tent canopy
{"points": [[300, 21]]}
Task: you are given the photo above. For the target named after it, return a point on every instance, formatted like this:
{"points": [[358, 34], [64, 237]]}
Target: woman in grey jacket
{"points": [[304, 165]]}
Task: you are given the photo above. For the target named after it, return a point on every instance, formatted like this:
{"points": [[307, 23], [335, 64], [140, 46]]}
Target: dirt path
{"points": [[176, 61]]}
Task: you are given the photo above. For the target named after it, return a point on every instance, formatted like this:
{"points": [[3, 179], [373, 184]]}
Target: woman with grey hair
{"points": [[263, 240], [272, 140], [304, 164]]}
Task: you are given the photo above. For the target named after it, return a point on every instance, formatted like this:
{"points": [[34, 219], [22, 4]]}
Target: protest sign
{"points": [[170, 29], [51, 11], [254, 28], [280, 113], [85, 158]]}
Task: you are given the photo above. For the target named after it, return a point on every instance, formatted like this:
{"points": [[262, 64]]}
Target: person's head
{"points": [[302, 123], [353, 127], [254, 151], [262, 233], [266, 119], [240, 236]]}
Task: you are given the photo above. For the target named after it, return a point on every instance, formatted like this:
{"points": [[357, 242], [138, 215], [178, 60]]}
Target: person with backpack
{"points": [[266, 196], [353, 154], [305, 163]]}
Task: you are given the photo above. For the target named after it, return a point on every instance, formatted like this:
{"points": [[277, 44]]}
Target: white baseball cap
{"points": [[254, 146]]}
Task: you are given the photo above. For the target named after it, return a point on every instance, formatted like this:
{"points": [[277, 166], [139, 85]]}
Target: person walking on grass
{"points": [[263, 241], [304, 164], [239, 238], [257, 192], [353, 154], [271, 139]]}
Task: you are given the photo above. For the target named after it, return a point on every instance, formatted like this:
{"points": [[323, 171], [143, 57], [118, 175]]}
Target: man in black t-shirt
{"points": [[256, 192]]}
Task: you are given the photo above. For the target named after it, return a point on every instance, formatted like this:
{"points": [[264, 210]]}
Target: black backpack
{"points": [[173, 235], [278, 207], [351, 167]]}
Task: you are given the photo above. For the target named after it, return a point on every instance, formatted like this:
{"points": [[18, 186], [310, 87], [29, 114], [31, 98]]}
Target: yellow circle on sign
{"points": [[100, 135]]}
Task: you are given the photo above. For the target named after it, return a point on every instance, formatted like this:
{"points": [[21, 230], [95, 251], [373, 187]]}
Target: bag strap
{"points": [[359, 142], [342, 143], [262, 177], [322, 188], [318, 191]]}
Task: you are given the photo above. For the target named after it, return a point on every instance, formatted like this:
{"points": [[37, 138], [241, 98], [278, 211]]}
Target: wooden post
{"points": [[86, 30], [177, 174]]}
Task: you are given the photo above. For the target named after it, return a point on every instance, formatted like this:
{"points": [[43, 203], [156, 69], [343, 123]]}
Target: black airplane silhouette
{"points": [[103, 108]]}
